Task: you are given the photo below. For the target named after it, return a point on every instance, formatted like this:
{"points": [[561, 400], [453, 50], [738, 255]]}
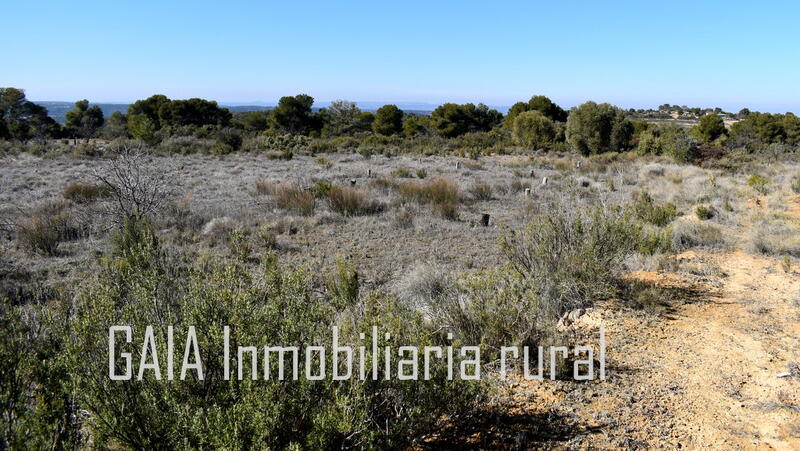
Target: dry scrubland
{"points": [[701, 310]]}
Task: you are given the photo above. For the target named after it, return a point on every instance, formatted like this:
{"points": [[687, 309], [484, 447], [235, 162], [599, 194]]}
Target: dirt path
{"points": [[703, 374]]}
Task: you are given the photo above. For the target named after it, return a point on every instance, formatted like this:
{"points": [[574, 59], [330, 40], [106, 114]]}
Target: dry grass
{"points": [[442, 193], [688, 233], [288, 196], [349, 201], [775, 239], [48, 226], [481, 191], [84, 192]]}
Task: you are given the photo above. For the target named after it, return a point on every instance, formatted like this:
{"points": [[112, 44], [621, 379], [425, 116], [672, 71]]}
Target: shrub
{"points": [[352, 202], [593, 129], [343, 285], [647, 210], [137, 185], [775, 239], [569, 258], [49, 225], [288, 196], [688, 234], [795, 184], [533, 130], [442, 193], [404, 219], [322, 188], [758, 183], [422, 173], [238, 245], [481, 191], [186, 145], [272, 306], [322, 161], [709, 128], [402, 173], [82, 193], [268, 238], [704, 212]]}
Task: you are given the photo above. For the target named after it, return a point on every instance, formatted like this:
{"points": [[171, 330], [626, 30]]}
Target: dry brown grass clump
{"points": [[288, 196], [81, 193], [48, 226], [352, 202], [442, 193], [481, 191]]}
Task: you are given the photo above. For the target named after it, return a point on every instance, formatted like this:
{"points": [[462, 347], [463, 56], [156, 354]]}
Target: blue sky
{"points": [[634, 54]]}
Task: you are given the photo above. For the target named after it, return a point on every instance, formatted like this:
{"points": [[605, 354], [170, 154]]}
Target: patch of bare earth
{"points": [[710, 372]]}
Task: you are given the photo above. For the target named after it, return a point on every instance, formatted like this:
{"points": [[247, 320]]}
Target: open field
{"points": [[705, 321]]}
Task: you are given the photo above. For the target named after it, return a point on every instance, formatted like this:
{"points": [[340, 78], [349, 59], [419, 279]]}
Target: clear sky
{"points": [[631, 53]]}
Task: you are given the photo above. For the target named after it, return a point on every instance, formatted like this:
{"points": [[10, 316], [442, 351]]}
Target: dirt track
{"points": [[702, 374]]}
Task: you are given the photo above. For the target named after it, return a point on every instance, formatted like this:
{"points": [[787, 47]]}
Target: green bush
{"points": [[533, 130], [704, 212], [647, 210], [758, 183], [568, 258], [273, 306], [402, 173], [597, 128]]}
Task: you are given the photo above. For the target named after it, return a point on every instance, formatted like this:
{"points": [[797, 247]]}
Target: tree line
{"points": [[539, 123]]}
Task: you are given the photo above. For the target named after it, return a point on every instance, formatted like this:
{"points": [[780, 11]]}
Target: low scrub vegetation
{"points": [[238, 414], [350, 201], [647, 210], [85, 192], [442, 193], [48, 226], [288, 196], [687, 234], [775, 239]]}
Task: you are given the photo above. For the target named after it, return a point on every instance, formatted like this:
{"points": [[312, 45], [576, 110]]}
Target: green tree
{"points": [[596, 128], [677, 143], [192, 112], [709, 128], [149, 108], [116, 126], [539, 103], [533, 130], [344, 117], [23, 119], [255, 121], [451, 120], [388, 120], [415, 125], [84, 121], [293, 115], [546, 106]]}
